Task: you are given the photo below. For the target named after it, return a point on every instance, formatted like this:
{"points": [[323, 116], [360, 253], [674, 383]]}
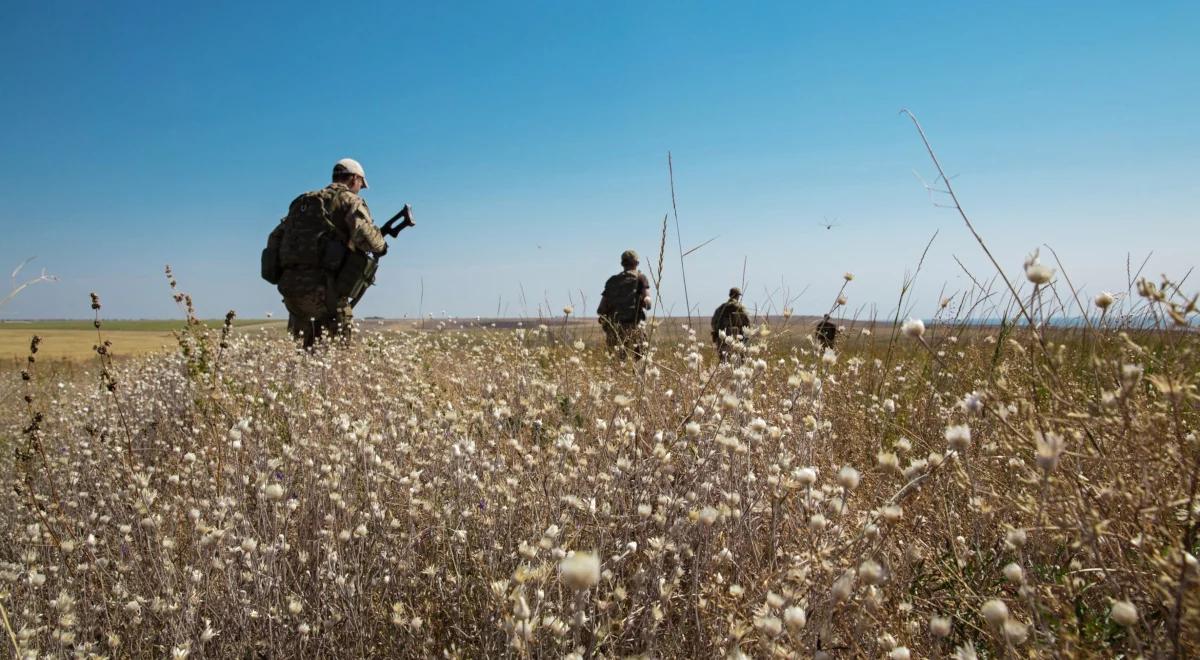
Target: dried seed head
{"points": [[1050, 447], [843, 587], [1014, 574], [995, 611], [795, 618], [1123, 613], [848, 478], [1015, 632], [771, 625], [1035, 271], [958, 437], [871, 572], [1015, 538], [580, 571], [806, 476], [939, 626]]}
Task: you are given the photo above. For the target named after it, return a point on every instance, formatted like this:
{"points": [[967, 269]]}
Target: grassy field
{"points": [[137, 325], [928, 490], [74, 340]]}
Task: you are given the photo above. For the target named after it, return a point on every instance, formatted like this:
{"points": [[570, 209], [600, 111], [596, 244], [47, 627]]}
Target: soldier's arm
{"points": [[364, 236], [644, 286], [603, 309]]}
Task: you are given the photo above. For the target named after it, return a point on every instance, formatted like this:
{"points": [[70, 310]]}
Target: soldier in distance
{"points": [[623, 308], [729, 324], [826, 332]]}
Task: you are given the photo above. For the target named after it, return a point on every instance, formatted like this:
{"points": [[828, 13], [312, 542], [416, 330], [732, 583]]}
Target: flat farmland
{"points": [[75, 339]]}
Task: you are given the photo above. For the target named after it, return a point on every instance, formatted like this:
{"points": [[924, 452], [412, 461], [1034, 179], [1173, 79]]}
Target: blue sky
{"points": [[531, 140]]}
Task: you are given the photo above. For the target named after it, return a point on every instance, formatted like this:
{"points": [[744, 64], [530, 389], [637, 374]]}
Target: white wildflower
{"points": [[995, 611], [958, 437], [1123, 613], [795, 618], [1035, 271], [848, 478], [1014, 574], [580, 570], [914, 328]]}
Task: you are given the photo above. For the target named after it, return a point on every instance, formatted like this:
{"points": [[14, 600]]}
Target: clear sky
{"points": [[531, 139]]}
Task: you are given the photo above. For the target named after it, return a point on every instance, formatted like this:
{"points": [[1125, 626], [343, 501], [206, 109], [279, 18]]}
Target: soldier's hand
{"points": [[383, 251]]}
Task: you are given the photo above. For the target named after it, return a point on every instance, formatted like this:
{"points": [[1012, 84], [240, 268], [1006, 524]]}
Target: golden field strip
{"points": [[75, 340]]}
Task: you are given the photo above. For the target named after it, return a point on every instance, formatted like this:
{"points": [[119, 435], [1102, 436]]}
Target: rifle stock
{"points": [[390, 228]]}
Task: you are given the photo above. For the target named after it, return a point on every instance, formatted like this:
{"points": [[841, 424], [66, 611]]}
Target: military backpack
{"points": [[306, 238], [622, 300]]}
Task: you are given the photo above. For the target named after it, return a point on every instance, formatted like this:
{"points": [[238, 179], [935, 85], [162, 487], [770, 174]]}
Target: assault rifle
{"points": [[389, 228], [363, 268]]}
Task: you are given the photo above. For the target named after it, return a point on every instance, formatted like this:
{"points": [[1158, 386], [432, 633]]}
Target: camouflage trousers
{"points": [[311, 314], [624, 339]]}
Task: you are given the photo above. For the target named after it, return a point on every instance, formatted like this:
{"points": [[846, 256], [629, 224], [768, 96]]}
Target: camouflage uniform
{"points": [[624, 339], [622, 310], [826, 332], [731, 320], [313, 307]]}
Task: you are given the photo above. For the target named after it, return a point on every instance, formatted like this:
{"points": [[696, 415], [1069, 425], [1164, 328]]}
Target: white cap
{"points": [[350, 166]]}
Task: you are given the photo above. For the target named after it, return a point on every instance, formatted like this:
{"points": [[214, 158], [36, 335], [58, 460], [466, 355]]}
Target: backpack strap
{"points": [[328, 197]]}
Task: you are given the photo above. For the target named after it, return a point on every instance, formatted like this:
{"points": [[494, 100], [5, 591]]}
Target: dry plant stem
{"points": [[958, 207], [678, 237], [8, 629], [18, 288], [905, 286], [658, 275]]}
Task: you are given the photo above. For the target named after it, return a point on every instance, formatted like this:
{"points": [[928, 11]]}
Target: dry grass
{"points": [[487, 493], [77, 344], [74, 340]]}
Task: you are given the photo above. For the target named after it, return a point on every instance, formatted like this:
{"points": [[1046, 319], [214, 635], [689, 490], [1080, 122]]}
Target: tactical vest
{"points": [[623, 297], [310, 237]]}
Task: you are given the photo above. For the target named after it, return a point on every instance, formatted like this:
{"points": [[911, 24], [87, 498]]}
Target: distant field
{"points": [[141, 325], [74, 340]]}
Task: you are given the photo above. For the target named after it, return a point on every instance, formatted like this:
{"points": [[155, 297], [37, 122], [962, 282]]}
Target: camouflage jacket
{"points": [[350, 213], [731, 317]]}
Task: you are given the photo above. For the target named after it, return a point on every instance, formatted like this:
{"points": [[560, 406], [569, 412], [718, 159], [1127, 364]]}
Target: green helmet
{"points": [[629, 258]]}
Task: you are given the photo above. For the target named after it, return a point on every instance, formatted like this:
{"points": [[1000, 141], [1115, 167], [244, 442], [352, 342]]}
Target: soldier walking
{"points": [[826, 332], [729, 324], [623, 308], [321, 227]]}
